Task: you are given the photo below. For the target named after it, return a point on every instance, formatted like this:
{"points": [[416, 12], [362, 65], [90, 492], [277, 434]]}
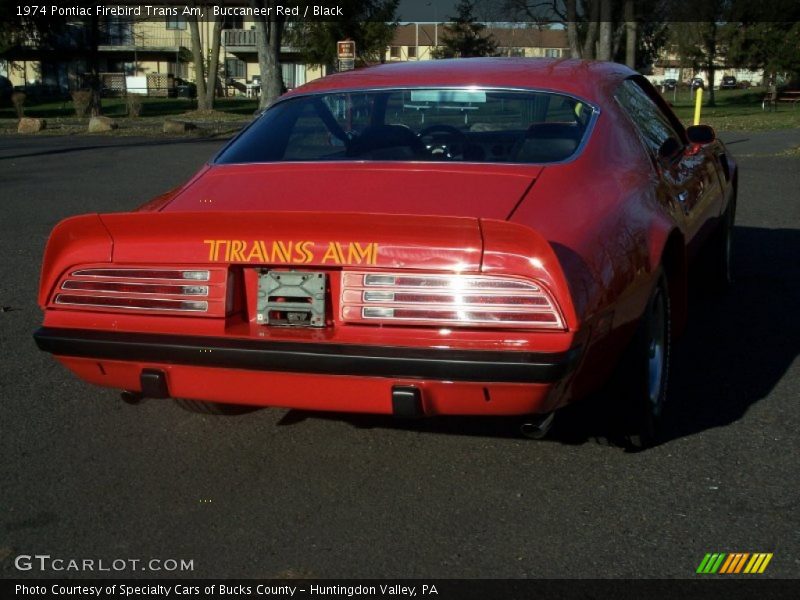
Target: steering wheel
{"points": [[453, 145]]}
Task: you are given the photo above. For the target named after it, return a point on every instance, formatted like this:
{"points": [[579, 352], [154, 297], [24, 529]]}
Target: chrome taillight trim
{"points": [[431, 300], [169, 305], [180, 290], [157, 289], [140, 273]]}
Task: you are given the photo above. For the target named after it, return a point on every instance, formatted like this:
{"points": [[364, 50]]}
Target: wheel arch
{"points": [[674, 262]]}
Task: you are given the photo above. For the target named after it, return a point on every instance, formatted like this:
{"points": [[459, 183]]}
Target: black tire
{"points": [[718, 272], [214, 408], [645, 372]]}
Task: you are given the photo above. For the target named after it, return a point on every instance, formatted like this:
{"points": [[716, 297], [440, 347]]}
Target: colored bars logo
{"points": [[735, 562]]}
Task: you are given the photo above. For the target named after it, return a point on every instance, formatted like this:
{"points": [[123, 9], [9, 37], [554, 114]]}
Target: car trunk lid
{"points": [[446, 189]]}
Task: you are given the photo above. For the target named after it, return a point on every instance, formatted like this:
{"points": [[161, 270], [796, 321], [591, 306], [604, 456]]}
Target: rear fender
{"points": [[77, 240], [512, 249]]}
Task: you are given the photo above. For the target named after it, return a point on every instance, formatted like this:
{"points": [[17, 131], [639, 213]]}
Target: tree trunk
{"points": [[711, 50], [197, 56], [268, 44], [572, 29], [96, 106], [606, 26], [630, 34], [589, 50], [273, 85], [213, 67]]}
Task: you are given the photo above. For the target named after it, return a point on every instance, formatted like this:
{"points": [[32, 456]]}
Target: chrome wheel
{"points": [[644, 371]]}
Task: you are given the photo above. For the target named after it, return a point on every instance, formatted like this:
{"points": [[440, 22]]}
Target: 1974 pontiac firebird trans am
{"points": [[466, 237]]}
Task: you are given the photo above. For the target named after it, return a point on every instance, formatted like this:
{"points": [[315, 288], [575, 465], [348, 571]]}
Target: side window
{"points": [[653, 125]]}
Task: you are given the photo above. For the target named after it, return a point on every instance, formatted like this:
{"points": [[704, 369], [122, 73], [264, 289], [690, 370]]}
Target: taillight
{"points": [[170, 290], [467, 300]]}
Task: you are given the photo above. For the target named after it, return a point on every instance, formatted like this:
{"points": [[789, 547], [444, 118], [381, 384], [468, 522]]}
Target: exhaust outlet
{"points": [[537, 426], [131, 397]]}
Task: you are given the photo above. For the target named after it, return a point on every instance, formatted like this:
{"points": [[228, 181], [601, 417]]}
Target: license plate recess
{"points": [[291, 298]]}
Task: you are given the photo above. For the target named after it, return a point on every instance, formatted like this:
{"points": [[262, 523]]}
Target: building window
{"points": [[394, 52], [176, 23], [412, 52], [552, 52], [236, 68], [509, 51]]}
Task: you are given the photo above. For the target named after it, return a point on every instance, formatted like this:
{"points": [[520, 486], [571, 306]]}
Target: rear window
{"points": [[467, 125]]}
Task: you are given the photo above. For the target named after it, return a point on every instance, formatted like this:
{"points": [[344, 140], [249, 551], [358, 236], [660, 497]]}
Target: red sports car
{"points": [[472, 237]]}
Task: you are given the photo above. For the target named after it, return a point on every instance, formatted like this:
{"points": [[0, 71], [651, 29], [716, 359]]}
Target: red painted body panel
{"points": [[320, 392], [591, 232], [473, 190]]}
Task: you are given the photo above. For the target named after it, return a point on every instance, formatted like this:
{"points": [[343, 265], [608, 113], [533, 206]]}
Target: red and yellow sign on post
{"points": [[346, 52], [346, 49]]}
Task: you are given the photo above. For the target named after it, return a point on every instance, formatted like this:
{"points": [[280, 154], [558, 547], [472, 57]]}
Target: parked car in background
{"points": [[452, 237], [728, 83], [669, 84], [697, 83]]}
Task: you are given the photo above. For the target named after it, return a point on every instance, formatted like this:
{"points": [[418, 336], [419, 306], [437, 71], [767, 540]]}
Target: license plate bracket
{"points": [[291, 298]]}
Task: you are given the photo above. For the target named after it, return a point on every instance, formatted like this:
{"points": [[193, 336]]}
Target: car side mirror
{"points": [[669, 150], [700, 134]]}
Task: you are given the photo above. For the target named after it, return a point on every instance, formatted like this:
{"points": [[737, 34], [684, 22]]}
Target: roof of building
{"points": [[427, 34], [591, 80]]}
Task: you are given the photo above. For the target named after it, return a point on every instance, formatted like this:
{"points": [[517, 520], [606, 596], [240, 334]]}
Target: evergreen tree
{"points": [[464, 36]]}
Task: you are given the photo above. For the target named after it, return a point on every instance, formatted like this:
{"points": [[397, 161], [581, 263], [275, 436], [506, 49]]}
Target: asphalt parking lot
{"points": [[277, 493]]}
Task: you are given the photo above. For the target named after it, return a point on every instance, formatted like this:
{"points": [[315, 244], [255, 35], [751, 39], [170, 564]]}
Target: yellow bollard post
{"points": [[697, 104]]}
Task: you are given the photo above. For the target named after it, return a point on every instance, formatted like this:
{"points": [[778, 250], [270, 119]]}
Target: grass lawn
{"points": [[735, 110]]}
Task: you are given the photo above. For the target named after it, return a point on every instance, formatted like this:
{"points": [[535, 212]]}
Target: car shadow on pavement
{"points": [[737, 346]]}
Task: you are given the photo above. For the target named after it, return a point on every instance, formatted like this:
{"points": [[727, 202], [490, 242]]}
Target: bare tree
{"points": [[213, 66], [572, 29], [206, 87], [606, 27], [197, 57], [590, 42], [268, 44], [630, 34]]}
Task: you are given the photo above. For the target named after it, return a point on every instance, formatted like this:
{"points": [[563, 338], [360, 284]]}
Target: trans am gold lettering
{"points": [[282, 252], [334, 253], [213, 249], [303, 252], [292, 252], [357, 255], [236, 251], [256, 253]]}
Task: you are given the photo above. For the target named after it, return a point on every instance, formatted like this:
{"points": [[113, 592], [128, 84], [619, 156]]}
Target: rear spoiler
{"points": [[305, 239]]}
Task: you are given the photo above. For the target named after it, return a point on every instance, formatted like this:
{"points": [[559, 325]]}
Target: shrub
{"points": [[81, 100], [134, 103], [18, 100]]}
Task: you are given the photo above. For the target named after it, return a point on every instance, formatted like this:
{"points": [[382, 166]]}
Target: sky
{"points": [[426, 10]]}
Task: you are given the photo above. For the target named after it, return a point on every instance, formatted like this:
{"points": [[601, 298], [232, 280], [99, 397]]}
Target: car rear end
{"points": [[349, 251], [347, 312]]}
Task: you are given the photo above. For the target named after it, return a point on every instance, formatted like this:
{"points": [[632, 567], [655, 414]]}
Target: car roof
{"points": [[591, 80]]}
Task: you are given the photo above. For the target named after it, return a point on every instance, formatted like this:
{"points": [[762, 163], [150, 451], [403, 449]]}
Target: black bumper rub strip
{"points": [[329, 359]]}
